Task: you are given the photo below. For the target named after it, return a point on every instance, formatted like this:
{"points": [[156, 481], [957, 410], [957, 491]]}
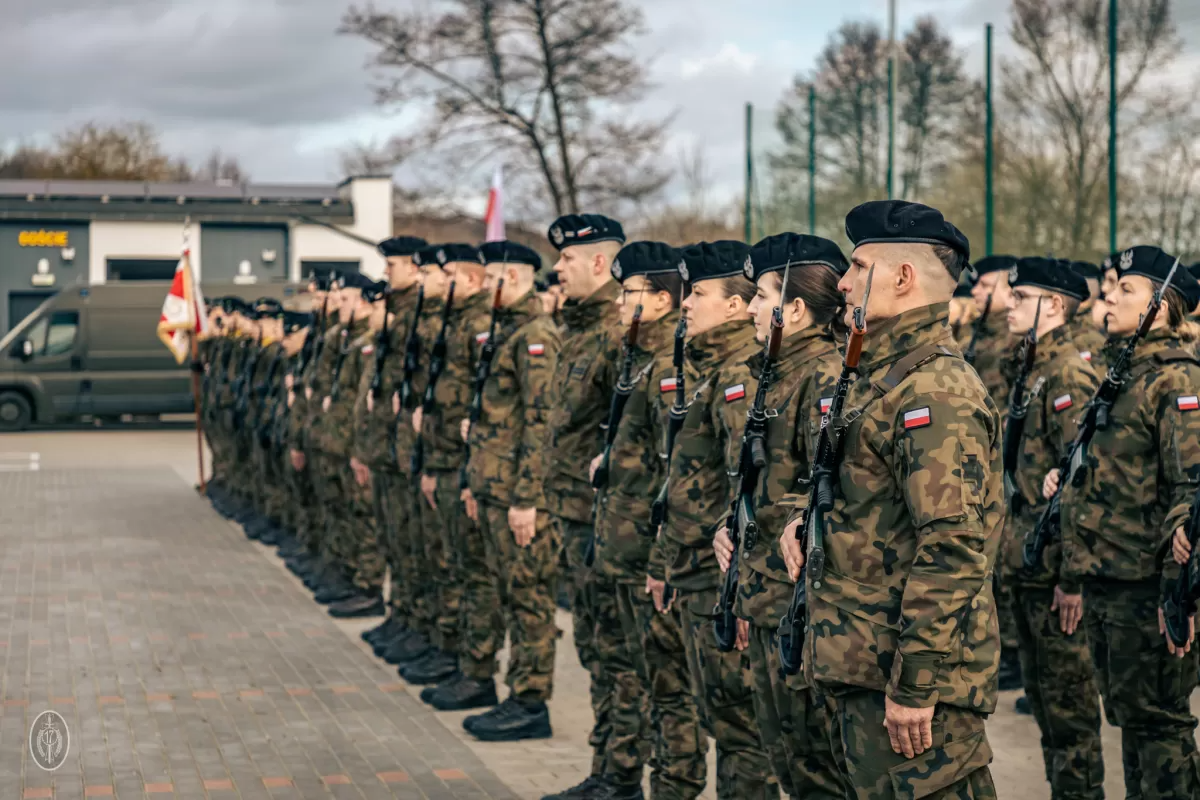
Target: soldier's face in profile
{"points": [[1022, 308], [634, 291], [993, 284], [436, 281], [1110, 282], [1126, 303], [574, 269], [853, 285], [399, 272], [708, 306], [763, 305]]}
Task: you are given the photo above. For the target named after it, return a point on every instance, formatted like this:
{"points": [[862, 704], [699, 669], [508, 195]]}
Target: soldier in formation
{"points": [[775, 482]]}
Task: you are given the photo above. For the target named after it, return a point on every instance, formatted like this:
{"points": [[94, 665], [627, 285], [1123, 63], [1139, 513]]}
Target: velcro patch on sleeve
{"points": [[1063, 402], [826, 404], [1187, 403], [917, 418], [537, 349], [668, 385], [735, 392], [480, 338], [1086, 355]]}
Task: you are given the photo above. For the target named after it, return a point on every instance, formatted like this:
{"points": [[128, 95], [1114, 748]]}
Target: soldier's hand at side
{"points": [[464, 429], [417, 416], [909, 729], [1069, 608], [593, 466], [298, 460], [1181, 548], [429, 489], [723, 548], [1050, 484], [1178, 652], [471, 506], [370, 403], [793, 553], [326, 403], [289, 380], [291, 398], [523, 522], [395, 402], [658, 590], [743, 635]]}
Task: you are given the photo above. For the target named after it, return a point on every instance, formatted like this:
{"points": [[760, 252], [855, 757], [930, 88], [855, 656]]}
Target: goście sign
{"points": [[42, 238]]}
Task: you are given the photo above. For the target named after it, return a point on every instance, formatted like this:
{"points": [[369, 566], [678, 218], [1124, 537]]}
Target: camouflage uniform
{"points": [[582, 389], [644, 648], [303, 488], [444, 451], [905, 606], [507, 469], [215, 353], [700, 489], [267, 376], [1117, 526], [374, 438], [1057, 669], [1089, 339], [790, 716], [241, 470]]}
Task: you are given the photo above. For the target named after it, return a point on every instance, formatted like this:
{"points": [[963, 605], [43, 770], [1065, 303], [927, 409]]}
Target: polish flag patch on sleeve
{"points": [[735, 393], [368, 349], [480, 338], [917, 418], [1086, 355], [537, 349], [1188, 403], [1063, 402], [668, 385], [826, 404]]}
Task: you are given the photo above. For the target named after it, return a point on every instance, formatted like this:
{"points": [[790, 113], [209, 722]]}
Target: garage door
{"points": [[22, 304]]}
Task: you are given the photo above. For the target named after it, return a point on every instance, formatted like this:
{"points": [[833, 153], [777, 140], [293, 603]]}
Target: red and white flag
{"points": [[495, 209], [183, 314]]}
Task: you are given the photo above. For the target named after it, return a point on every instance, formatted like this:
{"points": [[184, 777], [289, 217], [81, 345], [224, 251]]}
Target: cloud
{"points": [[729, 57]]}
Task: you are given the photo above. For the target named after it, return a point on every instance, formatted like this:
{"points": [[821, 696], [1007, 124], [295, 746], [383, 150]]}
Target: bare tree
{"points": [[543, 86], [119, 151], [219, 167], [933, 89]]}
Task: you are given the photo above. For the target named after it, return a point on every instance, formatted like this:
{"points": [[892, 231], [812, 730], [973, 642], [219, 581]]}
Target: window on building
{"points": [[142, 269]]}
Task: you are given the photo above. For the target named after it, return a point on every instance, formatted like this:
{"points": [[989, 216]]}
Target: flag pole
{"points": [[195, 367]]}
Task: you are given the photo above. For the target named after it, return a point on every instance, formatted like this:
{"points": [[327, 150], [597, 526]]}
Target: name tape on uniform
{"points": [[537, 349], [917, 418], [735, 393], [668, 385], [1188, 403], [1063, 402]]}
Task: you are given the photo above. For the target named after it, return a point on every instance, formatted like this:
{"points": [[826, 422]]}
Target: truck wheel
{"points": [[15, 411]]}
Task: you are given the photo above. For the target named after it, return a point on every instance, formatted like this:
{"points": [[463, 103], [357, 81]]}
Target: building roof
{"points": [[147, 200]]}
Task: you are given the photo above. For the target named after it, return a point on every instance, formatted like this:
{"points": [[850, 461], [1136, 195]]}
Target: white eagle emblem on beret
{"points": [[1012, 274], [556, 235], [748, 268], [683, 271], [441, 256], [1126, 260], [616, 270]]}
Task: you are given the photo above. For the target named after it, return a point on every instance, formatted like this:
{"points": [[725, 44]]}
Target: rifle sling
{"points": [[899, 371]]}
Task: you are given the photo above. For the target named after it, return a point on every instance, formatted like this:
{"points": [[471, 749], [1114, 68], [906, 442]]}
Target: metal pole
{"points": [[989, 209], [892, 70], [812, 159], [746, 212], [1112, 126]]}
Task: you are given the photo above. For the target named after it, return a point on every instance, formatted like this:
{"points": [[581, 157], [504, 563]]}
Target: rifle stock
{"points": [[1180, 603], [483, 369], [437, 364], [675, 417]]}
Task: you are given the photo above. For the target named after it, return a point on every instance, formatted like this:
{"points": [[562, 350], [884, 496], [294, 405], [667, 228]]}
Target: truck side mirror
{"points": [[22, 349]]}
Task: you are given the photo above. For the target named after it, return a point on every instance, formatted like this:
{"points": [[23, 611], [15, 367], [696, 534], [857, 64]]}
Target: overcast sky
{"points": [[269, 81]]}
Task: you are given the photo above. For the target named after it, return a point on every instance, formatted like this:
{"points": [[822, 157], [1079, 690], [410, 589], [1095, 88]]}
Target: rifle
{"points": [[335, 378], [741, 521], [318, 338], [821, 494], [412, 360], [483, 368], [437, 364], [1075, 464], [261, 391], [1018, 404], [675, 417], [1180, 602], [382, 345], [241, 405], [616, 410], [978, 328]]}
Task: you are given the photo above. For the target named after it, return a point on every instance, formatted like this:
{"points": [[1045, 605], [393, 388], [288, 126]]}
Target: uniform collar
{"points": [[1155, 342], [718, 344], [587, 312], [654, 336], [526, 308], [399, 298], [890, 340]]}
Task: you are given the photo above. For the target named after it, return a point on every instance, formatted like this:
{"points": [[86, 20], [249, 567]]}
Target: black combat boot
{"points": [[463, 694], [381, 645], [1022, 705], [433, 667], [406, 649], [360, 604], [580, 791], [272, 534], [428, 692], [382, 630], [335, 590], [511, 721]]}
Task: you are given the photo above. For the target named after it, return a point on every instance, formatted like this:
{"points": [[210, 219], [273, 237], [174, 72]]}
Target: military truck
{"points": [[94, 351]]}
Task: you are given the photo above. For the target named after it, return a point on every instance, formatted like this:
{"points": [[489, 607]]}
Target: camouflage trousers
{"points": [[794, 724], [720, 683], [526, 581], [333, 481], [362, 537], [1060, 684], [440, 527], [403, 550], [1009, 638], [955, 767], [583, 593], [483, 610], [307, 513], [1146, 690], [678, 766]]}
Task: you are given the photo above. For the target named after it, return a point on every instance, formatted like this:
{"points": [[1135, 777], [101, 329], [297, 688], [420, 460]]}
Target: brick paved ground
{"points": [[186, 664]]}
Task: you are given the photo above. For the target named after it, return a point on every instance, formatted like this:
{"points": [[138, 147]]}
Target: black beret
{"points": [[1110, 261], [426, 255], [375, 291], [963, 289], [450, 253], [507, 252], [236, 305], [888, 221], [356, 280], [295, 320], [1087, 270], [551, 278], [1195, 270], [401, 245], [774, 253], [584, 229], [1151, 262], [709, 260], [990, 264], [645, 258], [268, 307], [1049, 274], [324, 281]]}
